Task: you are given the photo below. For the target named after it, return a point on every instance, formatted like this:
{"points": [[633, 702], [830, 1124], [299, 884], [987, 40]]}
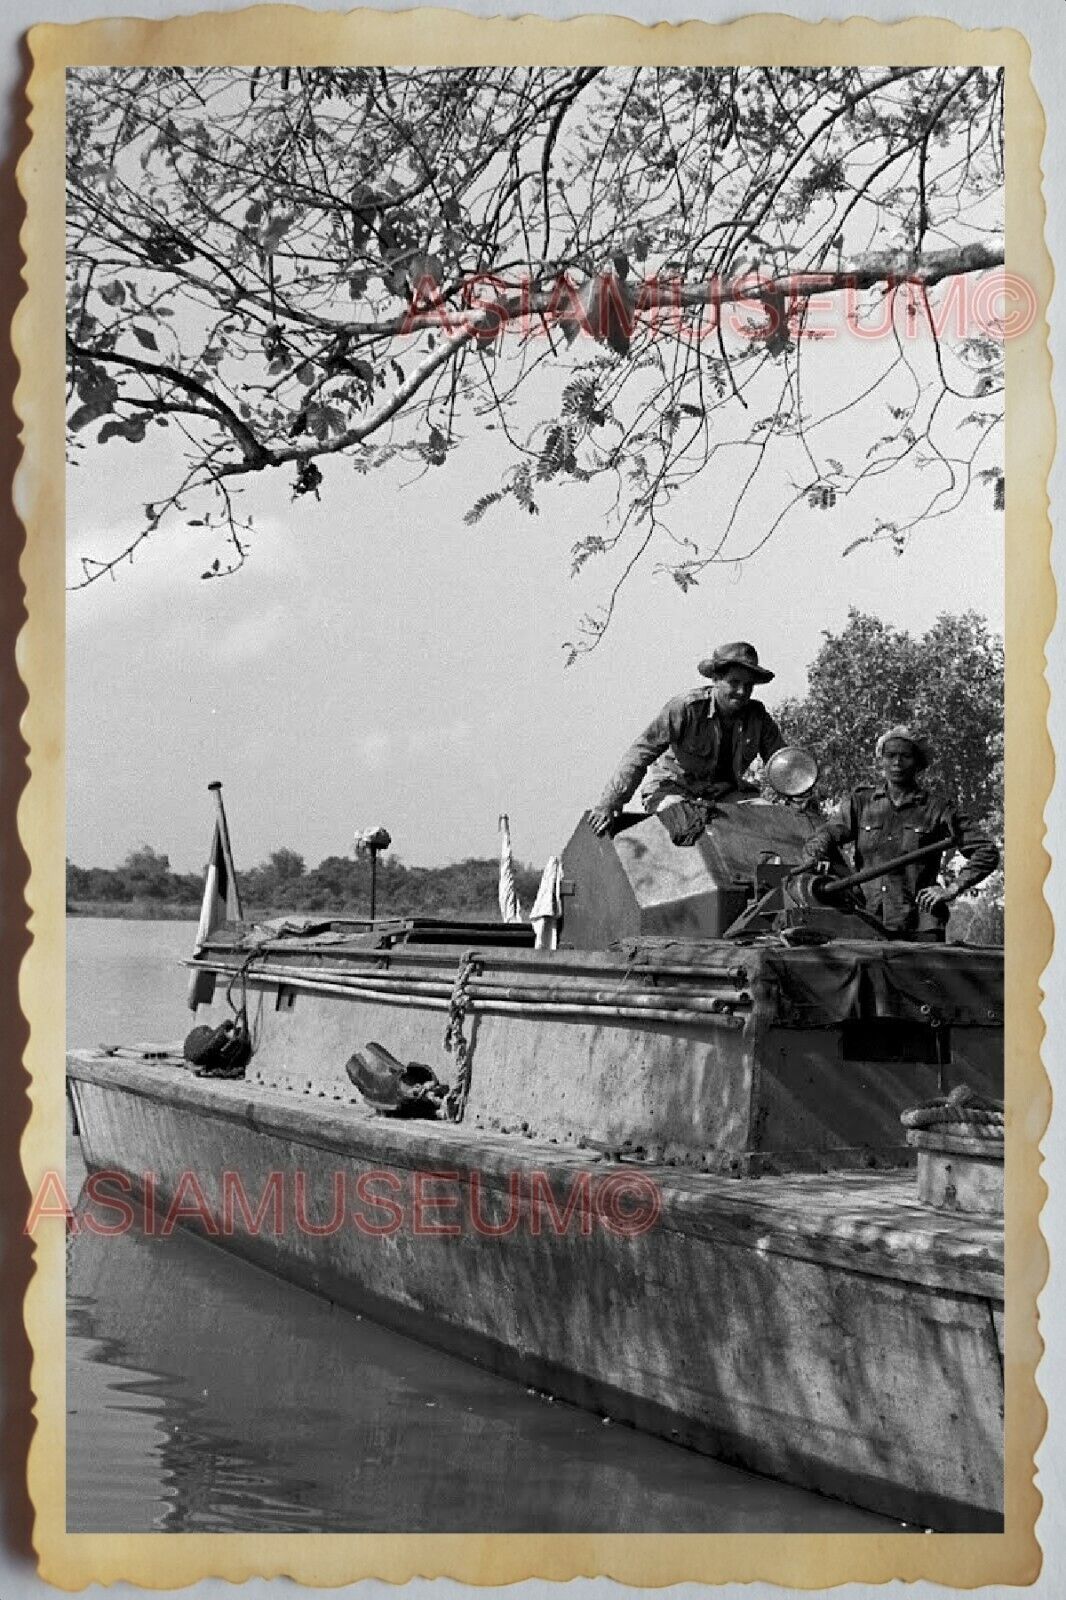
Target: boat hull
{"points": [[826, 1331]]}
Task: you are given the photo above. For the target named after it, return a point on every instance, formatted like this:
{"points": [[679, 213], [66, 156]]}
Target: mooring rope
{"points": [[240, 1012], [455, 1040]]}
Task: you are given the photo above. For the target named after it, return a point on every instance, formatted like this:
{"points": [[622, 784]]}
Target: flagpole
{"points": [[216, 790], [222, 901]]}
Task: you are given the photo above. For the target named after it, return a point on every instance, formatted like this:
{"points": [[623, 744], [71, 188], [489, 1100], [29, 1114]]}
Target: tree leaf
{"points": [[94, 384], [131, 428], [274, 231], [480, 506], [144, 336], [425, 266], [89, 412]]}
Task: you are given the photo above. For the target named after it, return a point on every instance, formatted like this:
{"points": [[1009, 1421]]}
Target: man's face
{"points": [[732, 690], [899, 762]]}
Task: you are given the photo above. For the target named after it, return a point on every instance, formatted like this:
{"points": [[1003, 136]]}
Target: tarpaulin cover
{"points": [[823, 985]]}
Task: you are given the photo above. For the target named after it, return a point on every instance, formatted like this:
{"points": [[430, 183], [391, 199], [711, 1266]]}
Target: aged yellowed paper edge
{"points": [[288, 35]]}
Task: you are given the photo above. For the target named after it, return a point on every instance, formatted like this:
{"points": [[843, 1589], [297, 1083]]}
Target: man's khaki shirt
{"points": [[880, 828], [679, 750]]}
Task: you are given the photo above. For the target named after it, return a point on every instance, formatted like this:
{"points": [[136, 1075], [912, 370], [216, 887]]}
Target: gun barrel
{"points": [[834, 886]]}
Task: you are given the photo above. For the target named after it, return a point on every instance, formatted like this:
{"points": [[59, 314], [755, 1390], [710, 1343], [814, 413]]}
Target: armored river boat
{"points": [[658, 1170]]}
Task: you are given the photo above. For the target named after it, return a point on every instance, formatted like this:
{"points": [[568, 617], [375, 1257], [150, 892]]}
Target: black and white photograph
{"points": [[536, 877]]}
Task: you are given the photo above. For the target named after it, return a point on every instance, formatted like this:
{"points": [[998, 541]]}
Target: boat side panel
{"points": [[816, 1107], [732, 1094], [819, 1108], [667, 1092], [672, 1091], [977, 1059], [884, 1393]]}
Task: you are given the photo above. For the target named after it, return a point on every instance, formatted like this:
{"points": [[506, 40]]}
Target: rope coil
{"points": [[963, 1109]]}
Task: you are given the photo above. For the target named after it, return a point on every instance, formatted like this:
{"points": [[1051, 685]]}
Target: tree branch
{"points": [[255, 454]]}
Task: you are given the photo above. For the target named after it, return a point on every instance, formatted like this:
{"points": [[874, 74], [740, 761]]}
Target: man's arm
{"points": [[657, 737], [841, 826], [970, 841], [981, 855]]}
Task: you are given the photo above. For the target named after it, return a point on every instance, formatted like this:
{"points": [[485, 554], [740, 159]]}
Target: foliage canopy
{"points": [[301, 272], [948, 683]]}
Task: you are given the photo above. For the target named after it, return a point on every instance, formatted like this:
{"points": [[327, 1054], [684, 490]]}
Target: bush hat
{"points": [[906, 735], [734, 655]]}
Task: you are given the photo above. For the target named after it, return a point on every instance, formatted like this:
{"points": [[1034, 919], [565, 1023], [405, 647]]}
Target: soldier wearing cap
{"points": [[697, 749], [893, 817]]}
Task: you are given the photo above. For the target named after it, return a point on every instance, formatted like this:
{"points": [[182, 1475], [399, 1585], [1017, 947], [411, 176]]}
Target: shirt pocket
{"points": [[693, 757], [916, 834], [870, 841]]}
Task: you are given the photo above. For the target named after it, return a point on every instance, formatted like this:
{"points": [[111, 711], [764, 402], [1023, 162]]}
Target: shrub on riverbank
{"points": [[145, 887]]}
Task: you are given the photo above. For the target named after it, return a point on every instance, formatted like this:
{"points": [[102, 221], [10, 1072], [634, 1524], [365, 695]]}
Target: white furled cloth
{"points": [[510, 906], [547, 912]]}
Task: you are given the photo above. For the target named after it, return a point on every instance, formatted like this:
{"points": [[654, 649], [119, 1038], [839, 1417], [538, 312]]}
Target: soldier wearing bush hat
{"points": [[698, 748], [894, 817]]}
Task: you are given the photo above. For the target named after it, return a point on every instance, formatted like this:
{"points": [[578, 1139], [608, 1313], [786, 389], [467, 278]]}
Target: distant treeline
{"points": [[145, 885]]}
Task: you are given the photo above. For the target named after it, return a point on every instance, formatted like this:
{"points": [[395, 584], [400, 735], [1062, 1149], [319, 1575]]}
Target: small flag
{"points": [[221, 903], [510, 909]]}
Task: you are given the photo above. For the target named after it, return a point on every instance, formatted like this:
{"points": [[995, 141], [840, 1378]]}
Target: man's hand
{"points": [[935, 895], [599, 820]]}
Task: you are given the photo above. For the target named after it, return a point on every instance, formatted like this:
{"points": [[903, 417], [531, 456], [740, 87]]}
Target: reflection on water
{"points": [[206, 1396]]}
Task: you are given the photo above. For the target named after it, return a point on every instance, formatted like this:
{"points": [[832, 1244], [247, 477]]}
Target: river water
{"points": [[205, 1396]]}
